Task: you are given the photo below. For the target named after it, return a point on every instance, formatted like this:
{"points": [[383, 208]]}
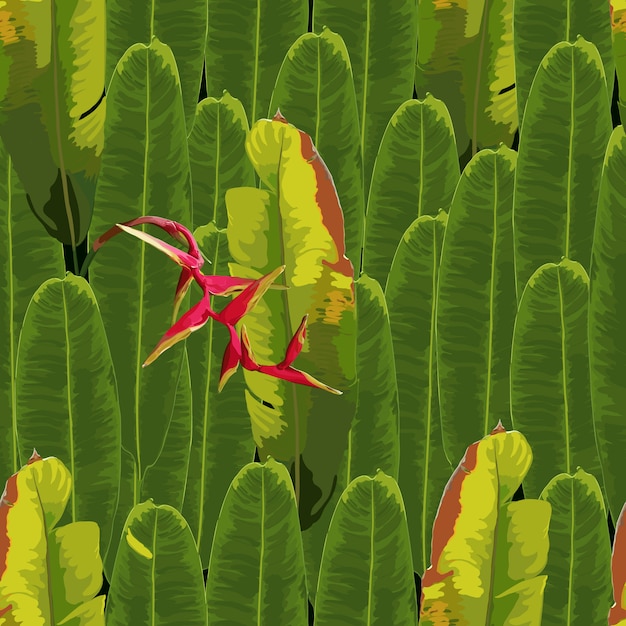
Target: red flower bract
{"points": [[249, 292]]}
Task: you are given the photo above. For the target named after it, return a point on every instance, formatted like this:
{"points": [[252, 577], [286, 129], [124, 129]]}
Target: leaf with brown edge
{"points": [[295, 220], [49, 575], [617, 614], [488, 553]]}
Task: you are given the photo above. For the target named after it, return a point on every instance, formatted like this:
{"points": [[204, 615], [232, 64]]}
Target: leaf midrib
{"points": [[70, 411], [12, 333]]}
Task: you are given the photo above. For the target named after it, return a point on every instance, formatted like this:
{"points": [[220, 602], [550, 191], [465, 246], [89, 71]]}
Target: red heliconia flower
{"points": [[249, 291]]}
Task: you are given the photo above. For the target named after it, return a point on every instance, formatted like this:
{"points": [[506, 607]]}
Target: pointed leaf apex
{"points": [[34, 457], [498, 429], [279, 117]]}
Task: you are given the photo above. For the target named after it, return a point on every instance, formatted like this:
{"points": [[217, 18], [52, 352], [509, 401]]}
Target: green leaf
{"points": [[49, 575], [465, 58], [315, 92], [157, 576], [550, 396], [373, 441], [28, 256], [415, 174], [607, 335], [617, 614], [411, 295], [164, 481], [52, 107], [217, 155], [578, 591], [476, 302], [66, 396], [381, 41], [222, 440], [566, 128], [540, 25], [181, 26], [125, 499], [256, 573], [296, 221], [145, 171], [367, 574], [488, 553], [246, 43]]}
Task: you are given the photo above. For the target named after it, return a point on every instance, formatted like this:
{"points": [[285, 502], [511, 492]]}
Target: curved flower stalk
{"points": [[249, 292]]}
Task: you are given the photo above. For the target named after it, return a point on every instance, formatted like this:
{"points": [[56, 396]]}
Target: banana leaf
{"points": [[52, 107], [476, 302], [49, 574], [607, 335], [296, 221], [488, 553], [367, 575], [550, 395], [246, 43], [415, 174], [465, 58], [217, 156], [28, 257], [567, 124], [411, 295], [180, 25], [157, 577], [578, 590], [618, 21], [381, 41], [66, 397], [256, 573], [315, 92], [540, 25]]}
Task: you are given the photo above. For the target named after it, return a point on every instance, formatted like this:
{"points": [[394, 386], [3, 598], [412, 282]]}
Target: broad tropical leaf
{"points": [[367, 574], [164, 481], [297, 222], [52, 107], [476, 302], [381, 41], [315, 92], [145, 171], [488, 553], [246, 43], [617, 614], [66, 396], [49, 574], [411, 295], [256, 573], [373, 442], [578, 590], [28, 256], [217, 155], [607, 335], [550, 395], [618, 10], [465, 58], [540, 25], [157, 577], [415, 174], [181, 27], [567, 124], [222, 440]]}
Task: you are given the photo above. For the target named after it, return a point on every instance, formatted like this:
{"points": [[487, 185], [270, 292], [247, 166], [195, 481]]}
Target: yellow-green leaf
{"points": [[465, 58], [48, 575], [52, 106], [488, 553], [296, 221]]}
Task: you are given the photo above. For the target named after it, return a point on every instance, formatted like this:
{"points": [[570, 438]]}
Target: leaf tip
{"points": [[279, 117], [498, 429], [34, 457]]}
